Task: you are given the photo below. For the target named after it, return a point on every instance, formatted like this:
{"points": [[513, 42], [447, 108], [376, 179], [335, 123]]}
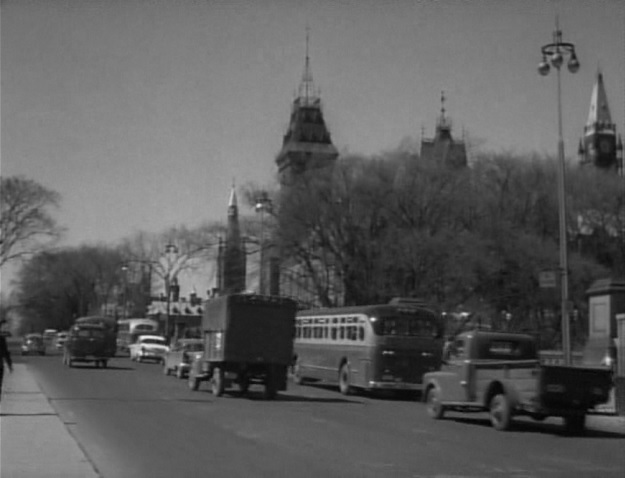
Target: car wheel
{"points": [[575, 424], [434, 406], [179, 373], [297, 373], [104, 363], [165, 369], [344, 380], [217, 382], [500, 412]]}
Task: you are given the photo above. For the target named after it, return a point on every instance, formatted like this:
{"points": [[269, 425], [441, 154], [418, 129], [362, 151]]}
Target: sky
{"points": [[142, 113]]}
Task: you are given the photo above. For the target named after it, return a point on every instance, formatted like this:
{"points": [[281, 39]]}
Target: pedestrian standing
{"points": [[5, 356]]}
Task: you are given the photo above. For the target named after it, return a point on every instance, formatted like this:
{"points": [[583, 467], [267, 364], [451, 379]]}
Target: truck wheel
{"points": [[434, 407], [244, 383], [500, 412], [344, 380], [217, 382], [193, 382], [575, 424], [271, 386]]}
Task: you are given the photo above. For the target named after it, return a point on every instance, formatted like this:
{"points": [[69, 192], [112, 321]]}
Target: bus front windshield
{"points": [[407, 325]]}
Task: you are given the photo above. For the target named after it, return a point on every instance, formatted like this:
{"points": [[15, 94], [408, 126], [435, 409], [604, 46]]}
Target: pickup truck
{"points": [[501, 373], [248, 339]]}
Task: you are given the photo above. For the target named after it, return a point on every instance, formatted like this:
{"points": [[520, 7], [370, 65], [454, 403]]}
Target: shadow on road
{"points": [[526, 426]]}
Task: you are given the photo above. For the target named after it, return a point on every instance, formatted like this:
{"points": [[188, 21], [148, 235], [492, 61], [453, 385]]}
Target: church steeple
{"points": [[232, 258], [306, 144], [443, 148], [600, 146]]}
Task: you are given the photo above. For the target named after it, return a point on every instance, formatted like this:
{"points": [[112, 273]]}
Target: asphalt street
{"points": [[133, 421]]}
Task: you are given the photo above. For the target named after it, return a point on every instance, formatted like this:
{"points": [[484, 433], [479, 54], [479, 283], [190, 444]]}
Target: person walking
{"points": [[5, 356]]}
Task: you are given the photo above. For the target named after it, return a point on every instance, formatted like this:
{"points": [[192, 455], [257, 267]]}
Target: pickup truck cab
{"points": [[501, 373]]}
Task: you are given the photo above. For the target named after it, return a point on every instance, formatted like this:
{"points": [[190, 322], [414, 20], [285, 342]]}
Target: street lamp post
{"points": [[171, 253], [263, 203], [554, 53], [125, 309]]}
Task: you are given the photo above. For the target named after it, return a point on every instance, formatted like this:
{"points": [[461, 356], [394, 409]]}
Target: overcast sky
{"points": [[140, 113]]}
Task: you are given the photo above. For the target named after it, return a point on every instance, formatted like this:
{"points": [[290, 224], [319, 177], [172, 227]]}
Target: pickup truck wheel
{"points": [[217, 382], [500, 412], [344, 380], [575, 424], [193, 382], [434, 407]]}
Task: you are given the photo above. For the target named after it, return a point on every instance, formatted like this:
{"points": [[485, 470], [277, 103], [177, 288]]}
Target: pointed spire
{"points": [[443, 121], [307, 93], [599, 114], [233, 195]]}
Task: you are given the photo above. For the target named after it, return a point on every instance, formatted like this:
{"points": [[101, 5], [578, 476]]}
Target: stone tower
{"points": [[306, 144], [600, 145], [443, 148], [232, 258]]}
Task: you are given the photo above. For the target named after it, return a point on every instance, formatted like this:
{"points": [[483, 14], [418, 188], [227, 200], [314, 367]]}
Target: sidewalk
{"points": [[34, 442]]}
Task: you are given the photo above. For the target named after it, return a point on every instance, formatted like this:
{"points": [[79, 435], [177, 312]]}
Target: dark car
{"points": [[178, 359], [33, 344]]}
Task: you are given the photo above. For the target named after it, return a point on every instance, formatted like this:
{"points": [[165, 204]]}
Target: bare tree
{"points": [[26, 223]]}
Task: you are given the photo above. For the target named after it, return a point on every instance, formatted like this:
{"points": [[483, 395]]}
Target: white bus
{"points": [[374, 347], [128, 330]]}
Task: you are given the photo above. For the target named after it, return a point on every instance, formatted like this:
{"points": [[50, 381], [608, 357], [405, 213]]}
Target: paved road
{"points": [[132, 421]]}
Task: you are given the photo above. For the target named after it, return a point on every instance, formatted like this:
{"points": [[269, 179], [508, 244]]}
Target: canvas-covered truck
{"points": [[501, 373], [247, 339]]}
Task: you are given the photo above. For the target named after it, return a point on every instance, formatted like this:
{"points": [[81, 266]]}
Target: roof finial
{"points": [[443, 105]]}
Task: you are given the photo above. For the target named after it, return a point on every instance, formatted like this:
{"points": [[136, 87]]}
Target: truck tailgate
{"points": [[574, 387]]}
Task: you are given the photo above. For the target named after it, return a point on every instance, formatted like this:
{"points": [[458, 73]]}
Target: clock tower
{"points": [[600, 145]]}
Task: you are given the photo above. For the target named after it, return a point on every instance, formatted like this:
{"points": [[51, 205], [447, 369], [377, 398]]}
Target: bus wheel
{"points": [[344, 380], [217, 382], [500, 412], [575, 424], [434, 407]]}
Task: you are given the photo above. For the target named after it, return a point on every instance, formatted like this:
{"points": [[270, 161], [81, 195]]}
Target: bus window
{"points": [[361, 333], [341, 332], [333, 332]]}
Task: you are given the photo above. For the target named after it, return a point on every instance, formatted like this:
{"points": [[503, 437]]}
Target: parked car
{"points": [[49, 335], [148, 347], [61, 338], [33, 344], [178, 359]]}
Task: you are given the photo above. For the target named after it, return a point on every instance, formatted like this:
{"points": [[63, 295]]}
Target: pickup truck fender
{"points": [[504, 387]]}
